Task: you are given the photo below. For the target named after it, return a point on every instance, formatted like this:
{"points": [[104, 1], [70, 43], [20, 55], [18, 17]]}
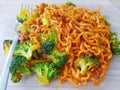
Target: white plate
{"points": [[112, 78]]}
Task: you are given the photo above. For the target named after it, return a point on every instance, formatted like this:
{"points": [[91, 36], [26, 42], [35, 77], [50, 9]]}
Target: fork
{"points": [[5, 72]]}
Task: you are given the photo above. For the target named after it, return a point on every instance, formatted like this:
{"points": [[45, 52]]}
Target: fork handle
{"points": [[5, 72]]}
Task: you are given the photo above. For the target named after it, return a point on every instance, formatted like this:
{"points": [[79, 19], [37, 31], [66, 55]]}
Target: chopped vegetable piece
{"points": [[46, 71], [70, 3], [85, 63], [115, 46], [19, 66]]}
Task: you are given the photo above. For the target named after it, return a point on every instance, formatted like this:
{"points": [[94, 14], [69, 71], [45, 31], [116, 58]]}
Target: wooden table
{"points": [[8, 12]]}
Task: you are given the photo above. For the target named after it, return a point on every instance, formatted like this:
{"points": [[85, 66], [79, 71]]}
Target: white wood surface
{"points": [[8, 11]]}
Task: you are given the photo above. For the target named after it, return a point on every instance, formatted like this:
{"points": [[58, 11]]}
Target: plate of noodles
{"points": [[63, 43]]}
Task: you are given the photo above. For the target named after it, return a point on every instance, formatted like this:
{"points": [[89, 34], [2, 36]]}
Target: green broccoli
{"points": [[19, 66], [23, 15], [70, 3], [6, 46], [115, 46], [85, 63], [58, 58], [24, 49], [48, 42], [46, 71]]}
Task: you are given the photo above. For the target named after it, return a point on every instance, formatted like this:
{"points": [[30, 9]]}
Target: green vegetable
{"points": [[58, 58], [35, 14], [45, 4], [70, 3], [23, 15], [23, 28], [106, 22], [85, 63], [48, 42], [19, 66], [45, 20], [24, 49], [6, 46], [115, 46], [46, 71]]}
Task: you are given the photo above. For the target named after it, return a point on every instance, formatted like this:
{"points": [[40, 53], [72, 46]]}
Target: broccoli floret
{"points": [[46, 71], [26, 48], [23, 15], [70, 3], [85, 63], [19, 66], [58, 58], [16, 77], [48, 42], [115, 45], [6, 46]]}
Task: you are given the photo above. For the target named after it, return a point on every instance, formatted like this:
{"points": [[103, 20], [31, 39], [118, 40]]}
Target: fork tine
{"points": [[21, 6], [24, 6], [27, 6], [30, 7]]}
